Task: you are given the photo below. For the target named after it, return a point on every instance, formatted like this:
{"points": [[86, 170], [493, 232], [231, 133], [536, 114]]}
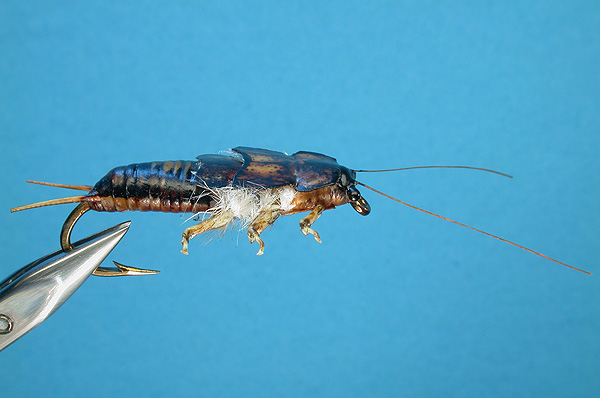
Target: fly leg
{"points": [[260, 223], [214, 222], [307, 221]]}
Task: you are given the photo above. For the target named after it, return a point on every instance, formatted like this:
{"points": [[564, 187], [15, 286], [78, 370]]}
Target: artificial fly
{"points": [[253, 185]]}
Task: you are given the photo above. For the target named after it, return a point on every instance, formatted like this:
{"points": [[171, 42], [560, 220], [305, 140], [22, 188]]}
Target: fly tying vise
{"points": [[253, 185]]}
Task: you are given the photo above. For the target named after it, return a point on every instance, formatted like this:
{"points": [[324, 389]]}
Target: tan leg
{"points": [[260, 223], [307, 221], [209, 224]]}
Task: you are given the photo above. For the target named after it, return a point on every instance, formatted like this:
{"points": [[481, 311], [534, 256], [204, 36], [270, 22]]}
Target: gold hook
{"points": [[65, 243]]}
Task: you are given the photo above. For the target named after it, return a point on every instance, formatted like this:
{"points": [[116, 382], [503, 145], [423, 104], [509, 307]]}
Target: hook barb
{"points": [[65, 243], [123, 270]]}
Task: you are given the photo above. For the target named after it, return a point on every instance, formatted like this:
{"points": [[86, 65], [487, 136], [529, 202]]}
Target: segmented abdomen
{"points": [[171, 186]]}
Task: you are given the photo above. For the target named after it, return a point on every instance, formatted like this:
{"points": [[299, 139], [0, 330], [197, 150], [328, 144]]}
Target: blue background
{"points": [[394, 304]]}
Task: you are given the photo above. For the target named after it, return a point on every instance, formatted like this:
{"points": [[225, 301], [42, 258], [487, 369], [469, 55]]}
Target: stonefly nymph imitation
{"points": [[252, 185]]}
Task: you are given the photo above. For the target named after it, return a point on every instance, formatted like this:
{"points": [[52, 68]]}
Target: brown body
{"points": [[167, 189], [263, 178], [329, 197], [156, 186]]}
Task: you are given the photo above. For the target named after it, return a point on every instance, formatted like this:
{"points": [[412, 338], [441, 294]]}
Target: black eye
{"points": [[353, 194]]}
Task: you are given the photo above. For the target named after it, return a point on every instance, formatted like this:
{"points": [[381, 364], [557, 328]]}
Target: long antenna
{"points": [[435, 167], [474, 229]]}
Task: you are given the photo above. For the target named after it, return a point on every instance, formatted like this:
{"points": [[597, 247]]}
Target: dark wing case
{"points": [[215, 171], [315, 170], [264, 168], [305, 171]]}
